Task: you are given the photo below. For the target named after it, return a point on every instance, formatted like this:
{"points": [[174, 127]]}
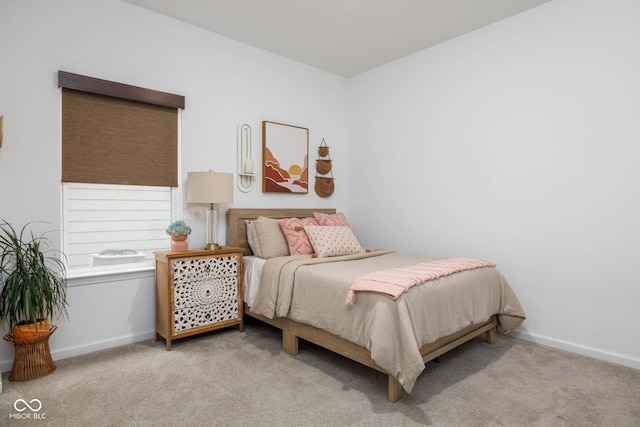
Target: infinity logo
{"points": [[26, 405]]}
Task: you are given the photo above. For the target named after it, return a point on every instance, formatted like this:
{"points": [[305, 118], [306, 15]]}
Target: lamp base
{"points": [[211, 247]]}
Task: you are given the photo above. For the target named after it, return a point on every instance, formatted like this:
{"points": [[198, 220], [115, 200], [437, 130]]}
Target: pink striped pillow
{"points": [[331, 219], [296, 237]]}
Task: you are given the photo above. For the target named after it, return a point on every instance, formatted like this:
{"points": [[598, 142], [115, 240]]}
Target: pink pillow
{"points": [[332, 240], [331, 219], [296, 237]]}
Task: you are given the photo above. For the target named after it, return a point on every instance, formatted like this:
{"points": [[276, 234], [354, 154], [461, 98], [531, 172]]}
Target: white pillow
{"points": [[332, 240], [251, 238]]}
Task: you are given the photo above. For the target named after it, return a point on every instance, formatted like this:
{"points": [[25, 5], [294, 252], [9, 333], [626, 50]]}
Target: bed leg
{"points": [[394, 389], [491, 336], [290, 343]]}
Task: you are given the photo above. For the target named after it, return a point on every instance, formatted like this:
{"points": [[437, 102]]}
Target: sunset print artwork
{"points": [[285, 153]]}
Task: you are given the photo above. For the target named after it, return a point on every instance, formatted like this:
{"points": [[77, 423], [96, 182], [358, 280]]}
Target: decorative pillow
{"points": [[270, 238], [296, 237], [331, 219], [251, 238], [333, 240]]}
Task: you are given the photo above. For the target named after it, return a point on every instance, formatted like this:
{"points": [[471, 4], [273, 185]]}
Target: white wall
{"points": [[518, 142], [224, 82]]}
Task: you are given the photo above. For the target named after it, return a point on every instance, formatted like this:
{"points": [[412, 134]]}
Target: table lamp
{"points": [[210, 187]]}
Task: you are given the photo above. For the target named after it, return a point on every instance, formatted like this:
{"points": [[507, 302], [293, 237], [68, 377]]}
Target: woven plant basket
{"points": [[323, 150], [324, 186], [32, 357], [323, 166]]}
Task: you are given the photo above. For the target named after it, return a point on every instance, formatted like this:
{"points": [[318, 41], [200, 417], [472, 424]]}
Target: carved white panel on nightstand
{"points": [[193, 269], [206, 291], [205, 314]]}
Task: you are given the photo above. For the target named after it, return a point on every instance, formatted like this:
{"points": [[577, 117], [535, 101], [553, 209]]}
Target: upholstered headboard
{"points": [[237, 229]]}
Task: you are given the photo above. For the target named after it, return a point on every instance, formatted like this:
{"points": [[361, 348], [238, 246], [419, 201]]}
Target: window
{"points": [[119, 172], [104, 224]]}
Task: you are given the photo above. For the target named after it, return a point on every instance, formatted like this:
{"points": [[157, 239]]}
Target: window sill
{"points": [[92, 275]]}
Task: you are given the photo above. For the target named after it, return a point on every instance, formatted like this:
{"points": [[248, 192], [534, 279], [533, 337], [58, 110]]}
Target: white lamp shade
{"points": [[209, 187]]}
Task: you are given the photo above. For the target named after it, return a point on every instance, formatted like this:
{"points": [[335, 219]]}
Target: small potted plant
{"points": [[179, 231], [32, 280]]}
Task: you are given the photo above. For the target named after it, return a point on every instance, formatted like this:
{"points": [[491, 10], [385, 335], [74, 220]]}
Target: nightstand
{"points": [[197, 291]]}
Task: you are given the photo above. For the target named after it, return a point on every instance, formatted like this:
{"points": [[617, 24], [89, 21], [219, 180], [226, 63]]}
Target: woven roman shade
{"points": [[113, 140]]}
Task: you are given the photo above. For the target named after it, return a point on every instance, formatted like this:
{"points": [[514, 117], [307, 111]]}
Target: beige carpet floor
{"points": [[231, 378]]}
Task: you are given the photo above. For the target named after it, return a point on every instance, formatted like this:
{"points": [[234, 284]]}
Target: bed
{"points": [[305, 298]]}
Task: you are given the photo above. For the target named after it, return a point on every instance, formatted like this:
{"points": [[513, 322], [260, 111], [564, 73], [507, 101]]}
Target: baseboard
{"points": [[594, 353], [618, 359], [65, 353]]}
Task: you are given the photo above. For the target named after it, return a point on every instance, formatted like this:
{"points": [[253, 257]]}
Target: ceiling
{"points": [[344, 37]]}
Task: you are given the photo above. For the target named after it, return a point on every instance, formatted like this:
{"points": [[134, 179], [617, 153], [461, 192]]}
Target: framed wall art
{"points": [[285, 158]]}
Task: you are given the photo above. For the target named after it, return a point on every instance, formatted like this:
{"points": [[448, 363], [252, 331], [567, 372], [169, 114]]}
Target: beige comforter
{"points": [[313, 291]]}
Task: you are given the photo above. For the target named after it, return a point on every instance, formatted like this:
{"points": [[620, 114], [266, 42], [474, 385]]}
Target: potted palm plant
{"points": [[32, 281]]}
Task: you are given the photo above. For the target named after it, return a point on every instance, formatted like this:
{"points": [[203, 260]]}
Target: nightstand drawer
{"points": [[204, 291], [193, 317], [201, 268]]}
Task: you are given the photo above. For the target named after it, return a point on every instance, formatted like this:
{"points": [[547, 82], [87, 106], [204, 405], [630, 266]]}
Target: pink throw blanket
{"points": [[395, 281]]}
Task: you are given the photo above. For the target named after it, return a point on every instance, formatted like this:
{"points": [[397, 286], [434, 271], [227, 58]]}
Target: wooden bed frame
{"points": [[292, 330]]}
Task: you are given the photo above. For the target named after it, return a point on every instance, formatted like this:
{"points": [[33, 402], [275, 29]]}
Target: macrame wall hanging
{"points": [[324, 176]]}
